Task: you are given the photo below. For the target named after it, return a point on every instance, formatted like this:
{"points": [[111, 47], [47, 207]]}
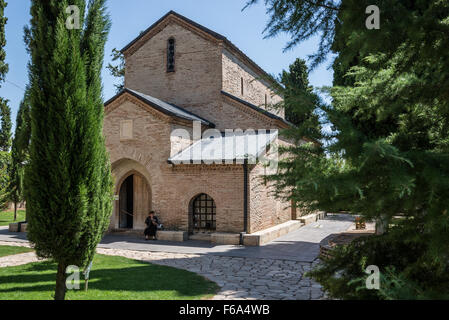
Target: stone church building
{"points": [[185, 88]]}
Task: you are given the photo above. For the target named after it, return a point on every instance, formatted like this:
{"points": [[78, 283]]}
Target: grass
{"points": [[8, 250], [111, 278], [7, 217]]}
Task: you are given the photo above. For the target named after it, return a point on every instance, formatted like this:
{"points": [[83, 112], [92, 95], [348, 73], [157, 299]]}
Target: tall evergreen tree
{"points": [[6, 125], [68, 184], [302, 101], [20, 152], [3, 20], [5, 116], [5, 111], [118, 71], [388, 154]]}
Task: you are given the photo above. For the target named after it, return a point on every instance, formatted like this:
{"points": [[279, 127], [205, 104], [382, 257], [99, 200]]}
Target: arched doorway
{"points": [[126, 206], [203, 214], [134, 201]]}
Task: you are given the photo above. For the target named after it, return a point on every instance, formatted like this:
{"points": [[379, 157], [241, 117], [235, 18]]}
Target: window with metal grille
{"points": [[204, 214], [171, 55]]}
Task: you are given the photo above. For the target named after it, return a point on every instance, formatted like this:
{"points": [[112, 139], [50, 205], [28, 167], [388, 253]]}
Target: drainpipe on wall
{"points": [[245, 201]]}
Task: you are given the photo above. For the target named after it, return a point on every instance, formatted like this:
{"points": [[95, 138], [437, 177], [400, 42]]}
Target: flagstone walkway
{"points": [[239, 278], [275, 271], [17, 259]]}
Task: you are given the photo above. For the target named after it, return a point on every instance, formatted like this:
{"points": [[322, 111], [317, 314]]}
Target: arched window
{"points": [[171, 55], [204, 214]]}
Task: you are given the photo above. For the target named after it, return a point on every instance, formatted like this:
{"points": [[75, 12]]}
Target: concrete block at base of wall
{"points": [[263, 237], [14, 227], [311, 218], [178, 236], [23, 228], [225, 238]]}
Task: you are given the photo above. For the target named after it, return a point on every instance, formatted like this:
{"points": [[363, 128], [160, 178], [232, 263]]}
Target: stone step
{"points": [[200, 237]]}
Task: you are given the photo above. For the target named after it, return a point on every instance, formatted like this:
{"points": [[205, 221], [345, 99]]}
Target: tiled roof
{"points": [[164, 107]]}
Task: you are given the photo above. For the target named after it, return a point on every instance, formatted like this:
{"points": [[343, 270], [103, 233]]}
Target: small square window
{"points": [[126, 129]]}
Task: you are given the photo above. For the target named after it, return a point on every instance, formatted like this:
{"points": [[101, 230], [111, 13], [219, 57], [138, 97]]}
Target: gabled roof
{"points": [[256, 108], [214, 34], [228, 148], [162, 106]]}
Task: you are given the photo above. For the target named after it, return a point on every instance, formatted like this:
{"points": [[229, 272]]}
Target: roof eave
{"points": [[155, 106]]}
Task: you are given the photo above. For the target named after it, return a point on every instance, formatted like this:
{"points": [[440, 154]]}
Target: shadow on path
{"points": [[300, 245]]}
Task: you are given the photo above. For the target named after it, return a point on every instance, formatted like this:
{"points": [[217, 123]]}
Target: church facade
{"points": [[172, 138]]}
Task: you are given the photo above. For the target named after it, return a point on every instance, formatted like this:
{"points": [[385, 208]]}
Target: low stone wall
{"points": [[18, 227], [178, 236], [311, 218], [225, 238], [262, 237]]}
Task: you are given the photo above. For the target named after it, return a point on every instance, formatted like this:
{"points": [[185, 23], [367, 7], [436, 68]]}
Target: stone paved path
{"points": [[239, 278], [17, 259], [274, 271]]}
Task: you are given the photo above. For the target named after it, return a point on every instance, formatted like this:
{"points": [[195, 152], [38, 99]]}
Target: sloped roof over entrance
{"points": [[227, 148], [162, 106]]}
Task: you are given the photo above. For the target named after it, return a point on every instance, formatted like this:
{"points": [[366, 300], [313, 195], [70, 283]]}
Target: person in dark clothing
{"points": [[152, 223]]}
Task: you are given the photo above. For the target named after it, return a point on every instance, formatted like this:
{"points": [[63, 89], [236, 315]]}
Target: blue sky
{"points": [[244, 29]]}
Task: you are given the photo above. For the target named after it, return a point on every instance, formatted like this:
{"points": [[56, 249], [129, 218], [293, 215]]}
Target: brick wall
{"points": [[265, 210], [172, 188], [203, 69], [197, 76], [255, 85]]}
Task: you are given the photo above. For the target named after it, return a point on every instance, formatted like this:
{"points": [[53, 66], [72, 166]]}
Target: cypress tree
{"points": [[3, 65], [302, 102], [6, 125], [20, 152], [5, 111], [5, 115], [68, 183]]}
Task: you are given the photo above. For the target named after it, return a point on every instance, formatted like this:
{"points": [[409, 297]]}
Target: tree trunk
{"points": [[60, 282], [381, 225], [15, 211]]}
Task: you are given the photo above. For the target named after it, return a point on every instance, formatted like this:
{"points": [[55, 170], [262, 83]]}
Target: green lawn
{"points": [[8, 251], [111, 278], [7, 217]]}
